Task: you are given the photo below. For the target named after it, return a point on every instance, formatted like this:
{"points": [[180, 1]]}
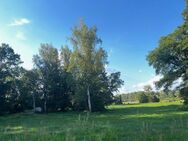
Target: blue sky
{"points": [[129, 29]]}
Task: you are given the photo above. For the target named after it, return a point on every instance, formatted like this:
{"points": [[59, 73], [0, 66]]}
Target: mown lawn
{"points": [[136, 122]]}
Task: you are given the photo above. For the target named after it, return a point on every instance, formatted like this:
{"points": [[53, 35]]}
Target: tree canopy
{"points": [[10, 72], [170, 58], [60, 80]]}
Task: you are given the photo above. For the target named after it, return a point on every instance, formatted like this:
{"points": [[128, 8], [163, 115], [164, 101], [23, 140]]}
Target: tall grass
{"points": [[145, 122]]}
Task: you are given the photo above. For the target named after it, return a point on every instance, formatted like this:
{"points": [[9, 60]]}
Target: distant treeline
{"points": [[144, 97]]}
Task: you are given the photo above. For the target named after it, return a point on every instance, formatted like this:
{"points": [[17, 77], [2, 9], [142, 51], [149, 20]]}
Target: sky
{"points": [[129, 29]]}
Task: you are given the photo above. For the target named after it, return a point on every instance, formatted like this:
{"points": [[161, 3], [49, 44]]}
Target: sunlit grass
{"points": [[134, 122]]}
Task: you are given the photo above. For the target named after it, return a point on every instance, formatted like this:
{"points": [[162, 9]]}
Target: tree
{"points": [[154, 98], [170, 58], [65, 57], [143, 98], [30, 88], [147, 88], [118, 99], [84, 58], [59, 81], [52, 84], [88, 60], [10, 71]]}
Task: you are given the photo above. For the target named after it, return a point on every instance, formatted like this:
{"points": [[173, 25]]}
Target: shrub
{"points": [[143, 98], [118, 100], [184, 95], [154, 99]]}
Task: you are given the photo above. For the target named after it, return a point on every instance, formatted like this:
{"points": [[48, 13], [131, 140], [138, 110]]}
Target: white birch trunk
{"points": [[89, 99]]}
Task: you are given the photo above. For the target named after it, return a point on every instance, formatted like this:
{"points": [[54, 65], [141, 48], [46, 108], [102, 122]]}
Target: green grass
{"points": [[134, 122]]}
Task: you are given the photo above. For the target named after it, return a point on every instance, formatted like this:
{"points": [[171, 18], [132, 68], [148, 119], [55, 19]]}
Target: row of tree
{"points": [[148, 95], [60, 80], [76, 79], [143, 97]]}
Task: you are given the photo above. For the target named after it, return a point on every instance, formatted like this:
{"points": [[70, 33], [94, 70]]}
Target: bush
{"points": [[154, 99], [118, 100], [184, 95], [143, 98]]}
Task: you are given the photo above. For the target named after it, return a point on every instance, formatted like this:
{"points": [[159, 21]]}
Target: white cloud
{"points": [[25, 49], [151, 82], [177, 83], [123, 90], [20, 22], [20, 35]]}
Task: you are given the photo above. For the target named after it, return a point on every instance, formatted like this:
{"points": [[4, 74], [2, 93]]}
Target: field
{"points": [[134, 122]]}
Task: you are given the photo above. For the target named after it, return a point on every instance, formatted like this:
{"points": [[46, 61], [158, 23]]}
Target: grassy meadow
{"points": [[133, 122]]}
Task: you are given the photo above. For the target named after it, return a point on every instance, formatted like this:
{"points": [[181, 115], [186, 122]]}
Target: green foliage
{"points": [[147, 88], [30, 89], [10, 71], [52, 79], [72, 79], [143, 98], [154, 98], [131, 97], [65, 57], [118, 100], [94, 88], [184, 95], [170, 58]]}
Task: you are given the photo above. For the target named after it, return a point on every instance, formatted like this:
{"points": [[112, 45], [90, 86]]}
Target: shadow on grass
{"points": [[144, 110], [143, 113], [120, 121]]}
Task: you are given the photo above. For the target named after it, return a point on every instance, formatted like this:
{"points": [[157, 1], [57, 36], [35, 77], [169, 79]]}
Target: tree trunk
{"points": [[34, 105], [45, 109], [45, 103], [89, 99]]}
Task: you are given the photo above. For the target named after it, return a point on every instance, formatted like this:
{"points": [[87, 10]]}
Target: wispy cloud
{"points": [[20, 22], [151, 82], [25, 49], [110, 52], [20, 35]]}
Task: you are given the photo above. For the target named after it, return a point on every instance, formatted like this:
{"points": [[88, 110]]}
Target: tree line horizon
{"points": [[77, 79], [72, 79]]}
